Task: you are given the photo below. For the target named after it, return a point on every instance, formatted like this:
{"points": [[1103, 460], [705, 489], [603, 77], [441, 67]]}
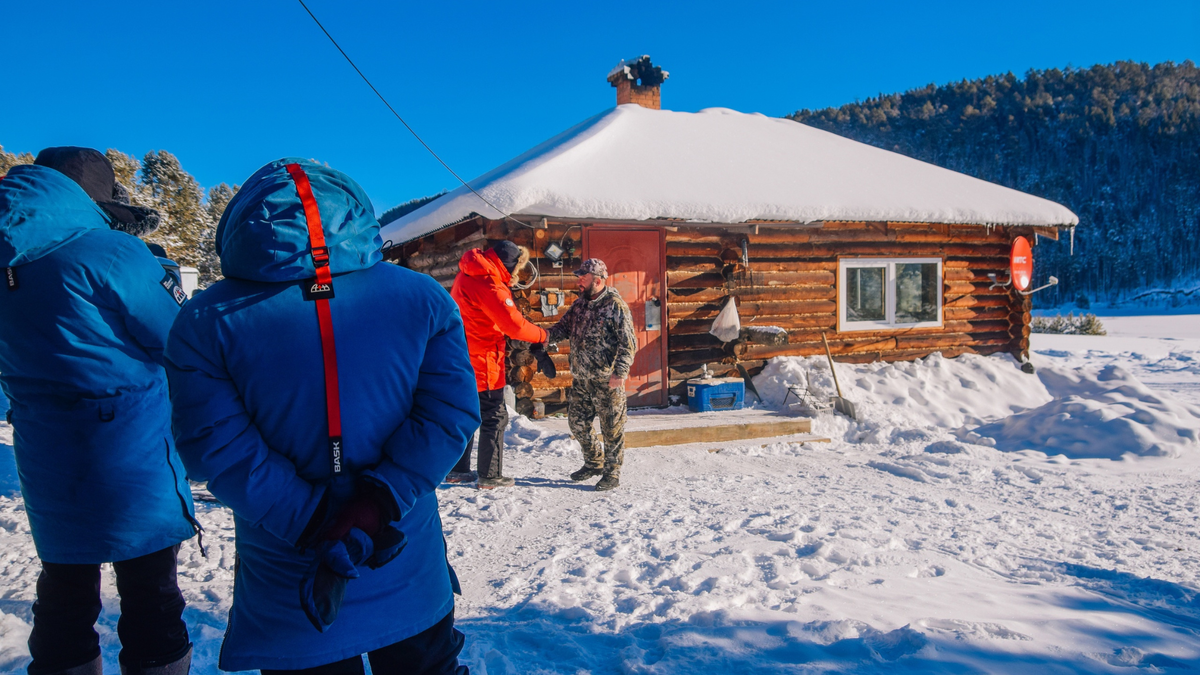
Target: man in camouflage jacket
{"points": [[603, 344]]}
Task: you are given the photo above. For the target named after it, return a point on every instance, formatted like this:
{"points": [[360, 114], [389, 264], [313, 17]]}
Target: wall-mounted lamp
{"points": [[554, 253]]}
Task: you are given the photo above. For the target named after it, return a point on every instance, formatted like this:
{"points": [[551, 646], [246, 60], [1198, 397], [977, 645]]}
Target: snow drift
{"points": [[1099, 413], [929, 392]]}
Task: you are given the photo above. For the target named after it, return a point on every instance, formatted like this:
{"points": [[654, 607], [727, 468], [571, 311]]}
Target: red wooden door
{"points": [[637, 269]]}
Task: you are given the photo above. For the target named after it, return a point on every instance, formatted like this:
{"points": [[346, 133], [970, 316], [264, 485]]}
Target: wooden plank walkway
{"points": [[720, 433], [646, 428]]}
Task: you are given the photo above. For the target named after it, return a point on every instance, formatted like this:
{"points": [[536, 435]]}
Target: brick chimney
{"points": [[638, 81]]}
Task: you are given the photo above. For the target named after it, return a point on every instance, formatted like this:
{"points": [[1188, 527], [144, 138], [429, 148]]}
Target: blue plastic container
{"points": [[718, 393]]}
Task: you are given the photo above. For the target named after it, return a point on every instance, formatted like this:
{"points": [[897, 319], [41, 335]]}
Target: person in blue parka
{"points": [[84, 317], [339, 541]]}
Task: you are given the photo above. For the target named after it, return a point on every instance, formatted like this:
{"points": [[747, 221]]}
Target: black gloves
{"points": [[360, 534], [544, 362]]}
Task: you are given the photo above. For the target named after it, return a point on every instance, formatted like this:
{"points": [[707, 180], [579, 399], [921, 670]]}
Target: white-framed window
{"points": [[889, 293]]}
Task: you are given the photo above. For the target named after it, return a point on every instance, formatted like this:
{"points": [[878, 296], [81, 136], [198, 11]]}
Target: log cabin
{"points": [[806, 231]]}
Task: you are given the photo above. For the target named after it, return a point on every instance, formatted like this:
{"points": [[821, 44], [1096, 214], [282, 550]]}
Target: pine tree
{"points": [[126, 168], [187, 230], [218, 198], [8, 160]]}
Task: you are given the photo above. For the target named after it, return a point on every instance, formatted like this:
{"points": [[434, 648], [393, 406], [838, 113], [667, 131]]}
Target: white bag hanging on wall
{"points": [[728, 325]]}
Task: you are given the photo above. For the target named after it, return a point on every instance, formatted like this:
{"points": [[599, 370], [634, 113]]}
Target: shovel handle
{"points": [[831, 368]]}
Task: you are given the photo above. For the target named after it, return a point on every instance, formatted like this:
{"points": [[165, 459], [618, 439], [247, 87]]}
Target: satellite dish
{"points": [[1020, 264]]}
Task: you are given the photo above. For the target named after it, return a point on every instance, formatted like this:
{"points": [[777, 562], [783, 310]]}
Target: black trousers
{"points": [[433, 652], [151, 626], [494, 416]]}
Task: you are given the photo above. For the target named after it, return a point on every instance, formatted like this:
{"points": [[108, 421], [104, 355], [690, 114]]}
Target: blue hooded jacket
{"points": [[247, 384], [83, 325]]}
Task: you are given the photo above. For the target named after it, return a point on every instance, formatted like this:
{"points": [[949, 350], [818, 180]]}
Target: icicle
{"points": [[1072, 240]]}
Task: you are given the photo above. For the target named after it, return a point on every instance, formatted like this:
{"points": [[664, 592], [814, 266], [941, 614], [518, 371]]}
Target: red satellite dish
{"points": [[1020, 264]]}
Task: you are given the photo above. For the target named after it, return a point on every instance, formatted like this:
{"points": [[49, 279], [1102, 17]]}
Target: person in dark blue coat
{"points": [[339, 540], [84, 317]]}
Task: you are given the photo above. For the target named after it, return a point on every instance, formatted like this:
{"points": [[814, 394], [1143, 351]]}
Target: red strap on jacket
{"points": [[321, 291]]}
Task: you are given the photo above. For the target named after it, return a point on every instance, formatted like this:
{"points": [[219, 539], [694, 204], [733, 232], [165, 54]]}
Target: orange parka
{"points": [[489, 314]]}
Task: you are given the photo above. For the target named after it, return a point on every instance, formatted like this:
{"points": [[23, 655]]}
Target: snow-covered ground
{"points": [[976, 519]]}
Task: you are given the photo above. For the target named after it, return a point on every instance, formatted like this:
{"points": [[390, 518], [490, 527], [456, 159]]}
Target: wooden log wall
{"points": [[438, 254], [790, 283]]}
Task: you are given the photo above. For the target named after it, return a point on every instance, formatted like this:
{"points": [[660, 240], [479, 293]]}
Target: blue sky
{"points": [[228, 86]]}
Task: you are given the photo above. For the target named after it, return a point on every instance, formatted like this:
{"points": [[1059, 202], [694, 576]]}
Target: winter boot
{"points": [[93, 667], [180, 666], [586, 472], [460, 477], [497, 482], [607, 483]]}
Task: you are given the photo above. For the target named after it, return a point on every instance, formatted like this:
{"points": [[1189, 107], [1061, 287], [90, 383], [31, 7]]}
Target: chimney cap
{"points": [[639, 70]]}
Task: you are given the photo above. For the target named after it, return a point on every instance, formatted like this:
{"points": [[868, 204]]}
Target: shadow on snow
{"points": [[537, 639]]}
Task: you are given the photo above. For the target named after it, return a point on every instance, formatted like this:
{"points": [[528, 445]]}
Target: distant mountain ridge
{"points": [[1118, 144]]}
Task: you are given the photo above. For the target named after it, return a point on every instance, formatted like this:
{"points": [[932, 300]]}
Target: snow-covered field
{"points": [[977, 519]]}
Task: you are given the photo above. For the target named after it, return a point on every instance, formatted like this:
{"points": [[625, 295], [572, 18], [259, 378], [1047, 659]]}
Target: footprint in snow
{"points": [[909, 472], [1132, 657], [966, 630]]}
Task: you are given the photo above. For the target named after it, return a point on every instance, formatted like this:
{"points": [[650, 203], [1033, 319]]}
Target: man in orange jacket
{"points": [[489, 314]]}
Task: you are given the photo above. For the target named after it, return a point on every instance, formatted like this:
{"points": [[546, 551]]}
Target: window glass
{"points": [[865, 294], [917, 289]]}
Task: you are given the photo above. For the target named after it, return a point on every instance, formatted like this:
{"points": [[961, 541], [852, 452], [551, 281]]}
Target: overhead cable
{"points": [[406, 124]]}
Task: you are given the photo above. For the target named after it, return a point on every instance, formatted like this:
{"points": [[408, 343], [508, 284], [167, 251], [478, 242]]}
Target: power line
{"points": [[406, 125]]}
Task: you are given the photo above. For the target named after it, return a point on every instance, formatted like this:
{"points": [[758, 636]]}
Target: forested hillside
{"points": [[398, 212], [1118, 144]]}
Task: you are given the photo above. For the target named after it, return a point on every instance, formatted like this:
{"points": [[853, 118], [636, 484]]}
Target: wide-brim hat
{"points": [[94, 173]]}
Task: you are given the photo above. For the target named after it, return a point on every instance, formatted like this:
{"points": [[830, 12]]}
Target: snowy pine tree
{"points": [[218, 198], [187, 230], [126, 168]]}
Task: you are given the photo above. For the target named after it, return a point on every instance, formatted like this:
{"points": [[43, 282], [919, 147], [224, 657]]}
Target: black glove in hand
{"points": [[359, 535], [544, 363], [323, 586]]}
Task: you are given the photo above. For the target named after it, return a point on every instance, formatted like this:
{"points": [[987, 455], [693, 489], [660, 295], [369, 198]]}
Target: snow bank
{"points": [[1099, 413], [723, 166], [1080, 412], [929, 392], [14, 634]]}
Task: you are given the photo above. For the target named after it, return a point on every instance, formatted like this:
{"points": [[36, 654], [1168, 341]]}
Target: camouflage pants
{"points": [[589, 399]]}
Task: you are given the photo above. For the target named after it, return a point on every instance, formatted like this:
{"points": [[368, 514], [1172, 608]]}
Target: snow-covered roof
{"points": [[723, 166]]}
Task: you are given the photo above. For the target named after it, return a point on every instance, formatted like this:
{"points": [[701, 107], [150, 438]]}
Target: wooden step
{"points": [[721, 433]]}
